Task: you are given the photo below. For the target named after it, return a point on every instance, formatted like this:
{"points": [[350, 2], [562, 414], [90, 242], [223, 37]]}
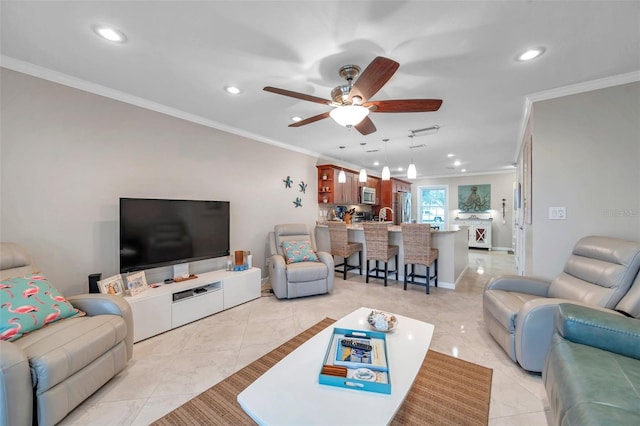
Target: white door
{"points": [[519, 231]]}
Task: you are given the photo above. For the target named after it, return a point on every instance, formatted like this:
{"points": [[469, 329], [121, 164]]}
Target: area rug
{"points": [[447, 391]]}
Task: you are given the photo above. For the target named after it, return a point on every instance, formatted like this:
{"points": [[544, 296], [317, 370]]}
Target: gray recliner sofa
{"points": [[592, 370], [290, 280], [48, 372], [519, 311]]}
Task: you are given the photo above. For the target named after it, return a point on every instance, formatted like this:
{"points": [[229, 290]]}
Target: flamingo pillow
{"points": [[299, 251], [29, 303]]}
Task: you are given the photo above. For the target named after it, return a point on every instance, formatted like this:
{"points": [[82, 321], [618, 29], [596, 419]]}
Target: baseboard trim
{"points": [[502, 249]]}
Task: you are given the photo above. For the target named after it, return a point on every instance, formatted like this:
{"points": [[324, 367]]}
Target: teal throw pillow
{"points": [[299, 251], [29, 303]]}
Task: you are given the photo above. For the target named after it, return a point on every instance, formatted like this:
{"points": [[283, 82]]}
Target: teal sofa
{"points": [[592, 369]]}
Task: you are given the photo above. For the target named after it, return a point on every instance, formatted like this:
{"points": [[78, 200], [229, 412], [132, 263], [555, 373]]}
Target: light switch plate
{"points": [[557, 213]]}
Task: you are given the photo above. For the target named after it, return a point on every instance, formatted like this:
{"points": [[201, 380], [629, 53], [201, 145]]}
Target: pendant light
{"points": [[411, 170], [342, 176], [386, 173], [362, 178]]}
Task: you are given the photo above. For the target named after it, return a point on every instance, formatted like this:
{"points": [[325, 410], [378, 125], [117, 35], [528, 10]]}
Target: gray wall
{"points": [[68, 155], [501, 187], [585, 157]]}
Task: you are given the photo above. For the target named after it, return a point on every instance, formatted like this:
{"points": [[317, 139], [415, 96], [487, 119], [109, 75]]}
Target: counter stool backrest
{"points": [[416, 240], [342, 247], [376, 237], [338, 235]]}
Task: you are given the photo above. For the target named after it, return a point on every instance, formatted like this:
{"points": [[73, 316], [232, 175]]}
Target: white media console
{"points": [[168, 306]]}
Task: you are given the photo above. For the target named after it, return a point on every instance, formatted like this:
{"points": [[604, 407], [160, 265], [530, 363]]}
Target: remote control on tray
{"points": [[356, 345]]}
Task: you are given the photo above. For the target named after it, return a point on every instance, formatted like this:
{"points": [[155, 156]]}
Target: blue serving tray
{"points": [[353, 382]]}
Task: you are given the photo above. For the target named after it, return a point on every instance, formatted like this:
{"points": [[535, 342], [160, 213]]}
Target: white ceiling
{"points": [[180, 55]]}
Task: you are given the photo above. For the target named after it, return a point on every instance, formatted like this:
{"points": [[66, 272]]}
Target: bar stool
{"points": [[342, 247], [416, 240], [376, 239]]}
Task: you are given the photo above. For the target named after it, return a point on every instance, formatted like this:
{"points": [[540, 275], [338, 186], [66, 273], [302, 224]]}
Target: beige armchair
{"points": [[48, 372], [300, 278], [519, 311]]}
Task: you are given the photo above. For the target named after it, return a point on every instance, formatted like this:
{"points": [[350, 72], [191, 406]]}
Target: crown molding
{"points": [[460, 175], [587, 86], [97, 89], [572, 89]]}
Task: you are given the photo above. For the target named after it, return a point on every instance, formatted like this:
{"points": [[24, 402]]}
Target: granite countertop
{"points": [[393, 228]]}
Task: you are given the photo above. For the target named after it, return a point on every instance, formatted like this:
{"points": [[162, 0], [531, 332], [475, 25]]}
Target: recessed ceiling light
{"points": [[376, 163], [457, 163], [463, 170], [296, 118], [400, 169], [449, 155], [233, 90], [531, 54], [110, 33]]}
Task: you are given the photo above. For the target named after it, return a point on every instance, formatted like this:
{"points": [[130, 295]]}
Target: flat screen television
{"points": [[156, 232]]}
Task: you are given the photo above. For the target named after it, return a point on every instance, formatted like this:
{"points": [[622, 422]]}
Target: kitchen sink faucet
{"points": [[382, 215]]}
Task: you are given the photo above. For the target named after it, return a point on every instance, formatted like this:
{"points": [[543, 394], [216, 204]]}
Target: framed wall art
{"points": [[474, 198]]}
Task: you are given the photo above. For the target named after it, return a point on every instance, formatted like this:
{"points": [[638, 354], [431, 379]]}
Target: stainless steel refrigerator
{"points": [[403, 208]]}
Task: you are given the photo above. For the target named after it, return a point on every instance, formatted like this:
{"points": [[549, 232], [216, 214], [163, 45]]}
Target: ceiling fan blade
{"points": [[310, 120], [405, 105], [297, 95], [366, 126], [379, 71]]}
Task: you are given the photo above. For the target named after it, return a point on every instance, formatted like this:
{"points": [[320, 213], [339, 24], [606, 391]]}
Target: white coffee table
{"points": [[289, 392]]}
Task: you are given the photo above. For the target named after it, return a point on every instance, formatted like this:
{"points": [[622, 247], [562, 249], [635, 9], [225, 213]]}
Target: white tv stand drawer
{"points": [[160, 309], [197, 306]]}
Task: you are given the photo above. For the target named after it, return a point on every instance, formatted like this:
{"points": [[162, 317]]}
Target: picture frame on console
{"points": [[137, 282], [112, 285]]}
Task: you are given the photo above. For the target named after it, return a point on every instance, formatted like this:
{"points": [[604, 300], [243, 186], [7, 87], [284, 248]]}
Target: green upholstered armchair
{"points": [[592, 370]]}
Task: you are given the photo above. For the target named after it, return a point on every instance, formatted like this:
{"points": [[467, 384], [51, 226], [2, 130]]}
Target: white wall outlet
{"points": [[557, 213]]}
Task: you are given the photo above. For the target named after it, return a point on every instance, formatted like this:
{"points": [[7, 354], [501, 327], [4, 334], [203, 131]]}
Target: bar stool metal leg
{"points": [[405, 277]]}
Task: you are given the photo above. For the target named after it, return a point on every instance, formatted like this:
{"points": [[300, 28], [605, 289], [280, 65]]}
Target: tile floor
{"points": [[169, 369]]}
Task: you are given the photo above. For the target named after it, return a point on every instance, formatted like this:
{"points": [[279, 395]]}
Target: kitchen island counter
{"points": [[453, 250]]}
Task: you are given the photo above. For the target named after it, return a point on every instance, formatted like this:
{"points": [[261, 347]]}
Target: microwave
{"points": [[367, 195]]}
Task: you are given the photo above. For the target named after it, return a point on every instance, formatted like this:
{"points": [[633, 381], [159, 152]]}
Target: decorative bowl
{"points": [[382, 321]]}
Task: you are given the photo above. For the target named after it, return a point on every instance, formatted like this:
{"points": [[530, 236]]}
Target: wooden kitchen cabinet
{"points": [[349, 189], [389, 187], [330, 191], [326, 187], [373, 182]]}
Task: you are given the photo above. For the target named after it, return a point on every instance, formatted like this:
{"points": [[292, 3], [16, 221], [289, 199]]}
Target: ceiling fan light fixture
{"points": [[363, 176], [386, 173], [349, 115]]}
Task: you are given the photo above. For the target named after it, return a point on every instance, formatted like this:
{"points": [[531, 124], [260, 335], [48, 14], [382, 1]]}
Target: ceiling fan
{"points": [[351, 100]]}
